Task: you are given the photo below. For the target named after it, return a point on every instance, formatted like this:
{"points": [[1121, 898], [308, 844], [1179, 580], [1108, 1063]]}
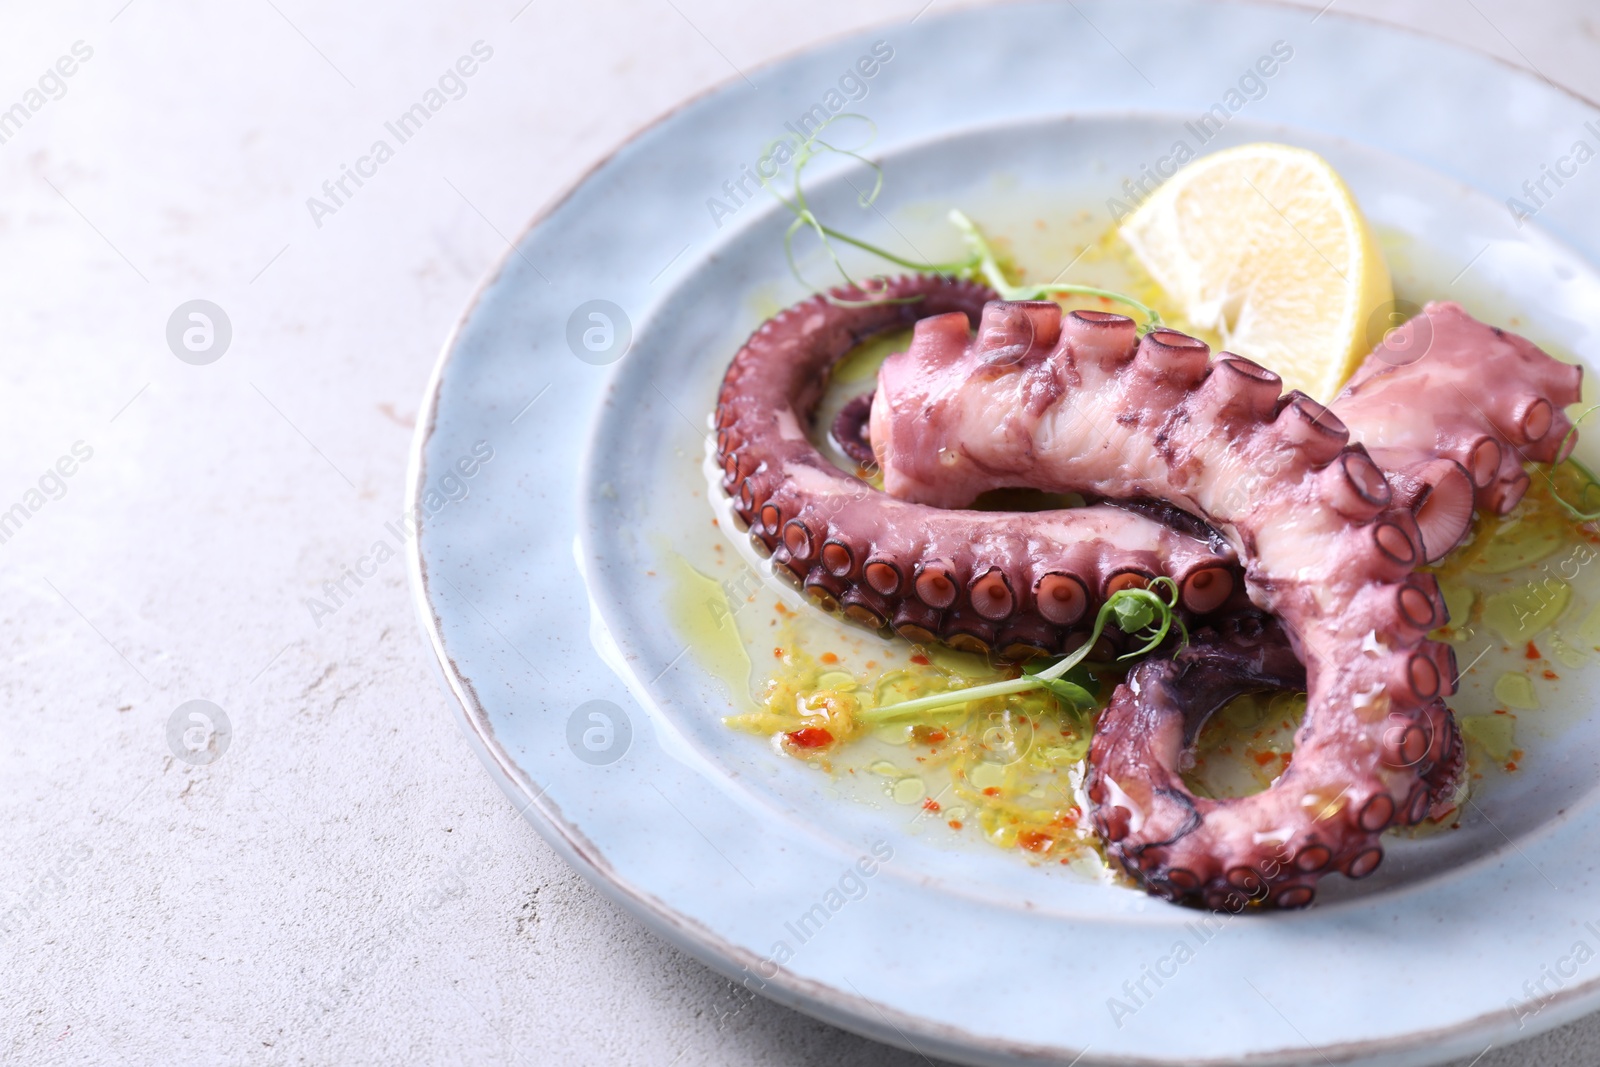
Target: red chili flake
{"points": [[809, 737], [714, 522], [1287, 756], [1035, 841], [930, 804], [1500, 711], [1552, 676], [777, 653], [992, 791], [828, 657], [920, 660], [955, 824], [927, 735], [1264, 758], [1533, 651], [1511, 766], [871, 663]]}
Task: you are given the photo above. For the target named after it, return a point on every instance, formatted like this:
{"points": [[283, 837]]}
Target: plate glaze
{"points": [[542, 588]]}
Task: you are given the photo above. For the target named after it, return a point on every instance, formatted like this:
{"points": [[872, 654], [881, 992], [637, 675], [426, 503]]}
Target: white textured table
{"points": [[343, 885]]}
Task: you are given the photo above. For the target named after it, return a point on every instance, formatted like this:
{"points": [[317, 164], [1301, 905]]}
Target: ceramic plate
{"points": [[557, 473]]}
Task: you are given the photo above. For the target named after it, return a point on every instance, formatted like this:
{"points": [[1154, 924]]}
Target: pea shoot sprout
{"points": [[981, 264], [1143, 612]]}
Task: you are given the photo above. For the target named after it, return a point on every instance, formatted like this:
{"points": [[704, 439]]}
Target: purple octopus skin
{"points": [[1079, 403], [1156, 716], [1013, 584]]}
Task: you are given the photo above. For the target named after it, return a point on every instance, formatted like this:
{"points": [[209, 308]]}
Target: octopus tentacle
{"points": [[1013, 584], [1441, 465], [850, 431], [1162, 710], [1329, 545], [1415, 402]]}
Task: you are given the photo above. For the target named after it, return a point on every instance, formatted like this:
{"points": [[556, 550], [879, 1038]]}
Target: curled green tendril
{"points": [[987, 268], [1142, 612], [805, 218], [980, 265]]}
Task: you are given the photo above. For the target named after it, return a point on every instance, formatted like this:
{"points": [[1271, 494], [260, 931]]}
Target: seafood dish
{"points": [[1196, 533]]}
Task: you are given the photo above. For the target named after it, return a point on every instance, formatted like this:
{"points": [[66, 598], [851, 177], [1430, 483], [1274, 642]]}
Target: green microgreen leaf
{"points": [[1134, 614], [1157, 625], [1072, 696]]}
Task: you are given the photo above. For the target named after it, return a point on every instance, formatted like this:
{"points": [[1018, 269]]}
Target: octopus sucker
{"points": [[1062, 598], [1329, 508], [1016, 585], [1439, 493], [1207, 589]]}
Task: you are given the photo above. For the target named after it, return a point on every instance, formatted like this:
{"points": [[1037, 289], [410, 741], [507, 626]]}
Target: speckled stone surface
{"points": [[342, 884]]}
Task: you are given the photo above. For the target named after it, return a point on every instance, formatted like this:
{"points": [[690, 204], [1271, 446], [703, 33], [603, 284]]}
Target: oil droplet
{"points": [[1458, 601], [987, 776], [1567, 655], [893, 734], [908, 790], [838, 681], [1527, 611], [1496, 733], [862, 362], [1519, 542], [885, 768], [1515, 690], [968, 666], [1589, 629], [703, 617], [1244, 712]]}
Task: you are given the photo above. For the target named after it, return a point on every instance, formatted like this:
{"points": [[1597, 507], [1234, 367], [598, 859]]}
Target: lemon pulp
{"points": [[1265, 245]]}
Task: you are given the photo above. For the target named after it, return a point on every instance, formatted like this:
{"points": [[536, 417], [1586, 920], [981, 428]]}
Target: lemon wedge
{"points": [[1265, 245]]}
